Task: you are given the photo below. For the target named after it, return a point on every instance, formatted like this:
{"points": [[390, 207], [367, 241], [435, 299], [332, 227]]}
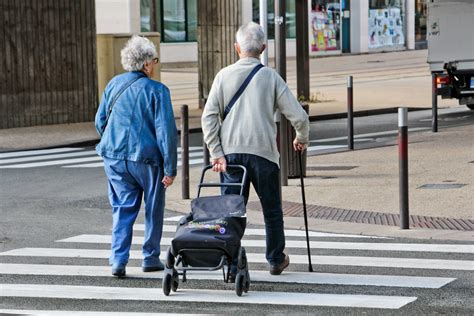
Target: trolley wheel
{"points": [[247, 282], [169, 259], [167, 279], [242, 259], [175, 282], [239, 284]]}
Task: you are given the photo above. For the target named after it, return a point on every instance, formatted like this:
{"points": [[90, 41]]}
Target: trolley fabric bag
{"points": [[215, 222]]}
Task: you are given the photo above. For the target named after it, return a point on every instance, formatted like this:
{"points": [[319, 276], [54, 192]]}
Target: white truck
{"points": [[451, 48]]}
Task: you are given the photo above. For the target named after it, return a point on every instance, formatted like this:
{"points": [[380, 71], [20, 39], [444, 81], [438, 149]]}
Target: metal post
{"points": [[280, 63], [206, 155], [403, 167], [302, 50], [434, 103], [350, 114], [184, 152], [264, 24]]}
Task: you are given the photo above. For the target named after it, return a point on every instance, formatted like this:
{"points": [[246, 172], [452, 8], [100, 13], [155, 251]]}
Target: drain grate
{"points": [[293, 209], [330, 168], [442, 186]]}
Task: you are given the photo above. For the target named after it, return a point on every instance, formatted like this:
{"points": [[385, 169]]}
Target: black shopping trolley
{"points": [[209, 238]]}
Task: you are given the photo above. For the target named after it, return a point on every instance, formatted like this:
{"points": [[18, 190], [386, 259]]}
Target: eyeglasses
{"points": [[156, 60]]}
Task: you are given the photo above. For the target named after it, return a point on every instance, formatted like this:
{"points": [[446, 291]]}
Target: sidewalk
{"points": [[346, 187]]}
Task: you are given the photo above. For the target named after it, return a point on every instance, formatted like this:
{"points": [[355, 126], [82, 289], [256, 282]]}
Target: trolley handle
{"points": [[203, 184]]}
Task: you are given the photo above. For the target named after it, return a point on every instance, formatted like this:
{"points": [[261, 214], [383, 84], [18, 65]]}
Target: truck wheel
{"points": [[471, 106]]}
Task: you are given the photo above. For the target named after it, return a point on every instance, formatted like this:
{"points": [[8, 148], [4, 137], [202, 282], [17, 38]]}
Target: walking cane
{"points": [[300, 154]]}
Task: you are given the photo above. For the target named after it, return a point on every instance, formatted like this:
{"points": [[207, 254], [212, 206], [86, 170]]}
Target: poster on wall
{"points": [[385, 28], [324, 29]]}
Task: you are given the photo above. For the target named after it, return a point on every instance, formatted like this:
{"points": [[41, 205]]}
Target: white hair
{"points": [[136, 52], [250, 38]]}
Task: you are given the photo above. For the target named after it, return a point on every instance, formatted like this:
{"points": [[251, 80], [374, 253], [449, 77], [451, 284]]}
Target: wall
{"points": [[48, 63], [117, 16]]}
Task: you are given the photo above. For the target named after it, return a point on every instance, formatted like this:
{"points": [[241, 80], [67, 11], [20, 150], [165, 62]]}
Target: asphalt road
{"points": [[42, 205]]}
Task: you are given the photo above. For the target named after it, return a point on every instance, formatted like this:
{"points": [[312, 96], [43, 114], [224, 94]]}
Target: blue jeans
{"points": [[128, 182], [264, 176]]}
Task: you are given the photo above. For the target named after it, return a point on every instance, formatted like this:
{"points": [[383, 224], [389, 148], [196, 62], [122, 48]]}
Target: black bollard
{"points": [[350, 114], [184, 152], [434, 103], [403, 167]]}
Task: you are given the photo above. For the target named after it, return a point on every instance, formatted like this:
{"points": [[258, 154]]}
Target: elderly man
{"points": [[245, 133]]}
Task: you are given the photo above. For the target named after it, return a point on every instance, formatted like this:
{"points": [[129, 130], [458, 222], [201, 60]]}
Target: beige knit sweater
{"points": [[249, 128]]}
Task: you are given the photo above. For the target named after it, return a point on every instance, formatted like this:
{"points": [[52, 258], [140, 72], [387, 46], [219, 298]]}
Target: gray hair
{"points": [[136, 52], [251, 38]]}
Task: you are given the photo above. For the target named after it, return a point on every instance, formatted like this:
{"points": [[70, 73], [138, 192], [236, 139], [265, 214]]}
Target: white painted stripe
{"points": [[192, 154], [322, 147], [173, 219], [385, 133], [87, 165], [37, 152], [261, 232], [387, 262], [51, 163], [256, 276], [48, 157], [443, 248], [85, 313], [209, 296], [193, 162]]}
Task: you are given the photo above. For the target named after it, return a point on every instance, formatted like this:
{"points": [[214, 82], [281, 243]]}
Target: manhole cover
{"points": [[442, 186], [330, 168]]}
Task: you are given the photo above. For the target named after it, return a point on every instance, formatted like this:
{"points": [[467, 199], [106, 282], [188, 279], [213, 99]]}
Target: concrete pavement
{"points": [[381, 82]]}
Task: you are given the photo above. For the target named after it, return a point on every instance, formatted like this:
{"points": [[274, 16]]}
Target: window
{"points": [[176, 20], [290, 17], [386, 23], [325, 20]]}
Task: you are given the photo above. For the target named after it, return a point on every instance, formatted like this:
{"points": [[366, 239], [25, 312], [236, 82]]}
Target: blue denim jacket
{"points": [[141, 126]]}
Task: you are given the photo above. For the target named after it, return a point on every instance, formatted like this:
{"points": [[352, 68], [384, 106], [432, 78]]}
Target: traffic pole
{"points": [[350, 114], [434, 103], [184, 152], [403, 167]]}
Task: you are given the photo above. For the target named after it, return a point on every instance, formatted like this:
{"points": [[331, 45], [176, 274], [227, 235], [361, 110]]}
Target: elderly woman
{"points": [[139, 147]]}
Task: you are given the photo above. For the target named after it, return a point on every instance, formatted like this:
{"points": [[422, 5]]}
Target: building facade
{"points": [[335, 26]]}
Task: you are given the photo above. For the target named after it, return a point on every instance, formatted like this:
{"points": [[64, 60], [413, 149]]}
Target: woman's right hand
{"points": [[167, 181]]}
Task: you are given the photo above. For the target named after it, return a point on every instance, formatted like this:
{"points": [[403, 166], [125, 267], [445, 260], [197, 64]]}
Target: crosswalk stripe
{"points": [[384, 133], [261, 232], [256, 276], [101, 164], [209, 296], [47, 157], [51, 163], [82, 313], [444, 248], [384, 262], [37, 152], [321, 147]]}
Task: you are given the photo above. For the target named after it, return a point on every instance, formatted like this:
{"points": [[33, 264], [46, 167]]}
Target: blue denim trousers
{"points": [[264, 176], [128, 182]]}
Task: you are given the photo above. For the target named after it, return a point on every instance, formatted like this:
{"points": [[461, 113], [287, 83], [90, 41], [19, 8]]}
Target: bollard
{"points": [[350, 114], [184, 152], [403, 167], [434, 103]]}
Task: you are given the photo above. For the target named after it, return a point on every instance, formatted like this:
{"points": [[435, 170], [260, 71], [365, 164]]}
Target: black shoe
{"points": [[118, 271], [278, 269], [159, 267]]}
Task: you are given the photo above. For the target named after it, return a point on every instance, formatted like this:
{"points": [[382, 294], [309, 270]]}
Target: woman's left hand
{"points": [[167, 181]]}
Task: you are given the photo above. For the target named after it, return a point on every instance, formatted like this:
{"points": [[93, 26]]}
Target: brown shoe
{"points": [[278, 269]]}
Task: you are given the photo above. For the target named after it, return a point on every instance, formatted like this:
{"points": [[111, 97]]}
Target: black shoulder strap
{"points": [[109, 111], [241, 89]]}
